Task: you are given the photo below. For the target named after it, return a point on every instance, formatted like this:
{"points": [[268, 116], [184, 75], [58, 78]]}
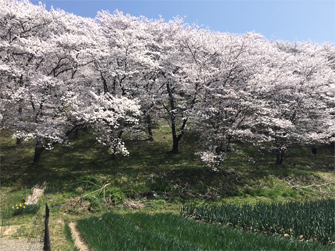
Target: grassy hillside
{"points": [[248, 176]]}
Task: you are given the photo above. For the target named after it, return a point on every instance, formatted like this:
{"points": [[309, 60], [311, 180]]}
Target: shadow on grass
{"points": [[151, 167]]}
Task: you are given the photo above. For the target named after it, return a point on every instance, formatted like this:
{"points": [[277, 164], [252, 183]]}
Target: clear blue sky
{"points": [[287, 20]]}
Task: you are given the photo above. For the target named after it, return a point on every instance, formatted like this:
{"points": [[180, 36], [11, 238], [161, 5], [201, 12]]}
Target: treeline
{"points": [[120, 74]]}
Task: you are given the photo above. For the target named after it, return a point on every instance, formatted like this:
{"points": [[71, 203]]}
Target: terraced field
{"points": [[140, 231]]}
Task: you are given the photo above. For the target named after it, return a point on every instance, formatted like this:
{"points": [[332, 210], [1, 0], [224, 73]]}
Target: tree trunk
{"points": [[76, 134], [151, 137], [228, 146], [280, 157], [18, 141], [39, 149], [175, 145], [175, 138]]}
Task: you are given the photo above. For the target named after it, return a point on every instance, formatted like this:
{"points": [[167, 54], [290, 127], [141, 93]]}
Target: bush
{"points": [[96, 203], [115, 195]]}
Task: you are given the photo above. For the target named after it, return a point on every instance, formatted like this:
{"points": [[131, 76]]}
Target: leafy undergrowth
{"points": [[139, 231]]}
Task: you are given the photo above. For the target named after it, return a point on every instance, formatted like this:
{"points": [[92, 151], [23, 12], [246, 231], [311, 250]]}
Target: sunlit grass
{"points": [[216, 237]]}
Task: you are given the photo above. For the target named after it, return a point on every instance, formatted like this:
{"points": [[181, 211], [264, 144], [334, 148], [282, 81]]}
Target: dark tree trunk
{"points": [[176, 138], [18, 141], [175, 145], [76, 134], [148, 118], [280, 157], [39, 149], [228, 146]]}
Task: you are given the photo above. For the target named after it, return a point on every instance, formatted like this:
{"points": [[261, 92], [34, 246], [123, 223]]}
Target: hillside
{"points": [[152, 179]]}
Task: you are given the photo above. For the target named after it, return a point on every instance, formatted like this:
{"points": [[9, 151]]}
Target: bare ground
{"points": [[22, 244]]}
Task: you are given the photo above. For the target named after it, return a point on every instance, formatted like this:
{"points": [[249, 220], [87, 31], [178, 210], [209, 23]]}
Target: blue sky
{"points": [[286, 20]]}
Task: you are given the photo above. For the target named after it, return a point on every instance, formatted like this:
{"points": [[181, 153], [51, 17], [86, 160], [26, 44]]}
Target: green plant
{"points": [[216, 237], [313, 220], [101, 237], [25, 208], [96, 203], [5, 219], [19, 184], [55, 208], [68, 236], [115, 195], [152, 240], [155, 204]]}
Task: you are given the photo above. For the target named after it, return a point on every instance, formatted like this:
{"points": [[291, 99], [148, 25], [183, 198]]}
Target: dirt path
{"points": [[22, 244], [79, 240]]}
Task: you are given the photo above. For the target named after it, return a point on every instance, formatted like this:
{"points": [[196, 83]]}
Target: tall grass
{"points": [[217, 237], [101, 237], [152, 240], [5, 220], [313, 220], [68, 235]]}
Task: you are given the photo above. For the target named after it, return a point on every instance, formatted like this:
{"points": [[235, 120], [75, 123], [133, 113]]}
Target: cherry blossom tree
{"points": [[126, 65], [46, 65], [294, 85], [228, 104], [185, 64]]}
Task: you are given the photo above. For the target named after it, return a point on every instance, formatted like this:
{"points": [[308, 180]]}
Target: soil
{"points": [[76, 204]]}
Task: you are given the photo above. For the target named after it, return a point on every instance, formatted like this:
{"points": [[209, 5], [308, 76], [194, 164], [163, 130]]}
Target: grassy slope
{"points": [[176, 178]]}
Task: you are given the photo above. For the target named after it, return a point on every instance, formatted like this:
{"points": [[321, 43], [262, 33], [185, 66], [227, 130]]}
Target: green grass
{"points": [[311, 220], [152, 240], [178, 179], [69, 238], [101, 237], [151, 167], [4, 219], [217, 237]]}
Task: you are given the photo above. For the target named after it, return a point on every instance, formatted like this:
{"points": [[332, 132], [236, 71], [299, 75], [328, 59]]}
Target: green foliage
{"points": [[312, 220], [68, 236], [160, 186], [18, 185], [155, 204], [90, 180], [101, 237], [152, 240], [55, 207], [115, 195], [20, 208], [216, 237], [273, 193], [96, 203], [4, 219]]}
